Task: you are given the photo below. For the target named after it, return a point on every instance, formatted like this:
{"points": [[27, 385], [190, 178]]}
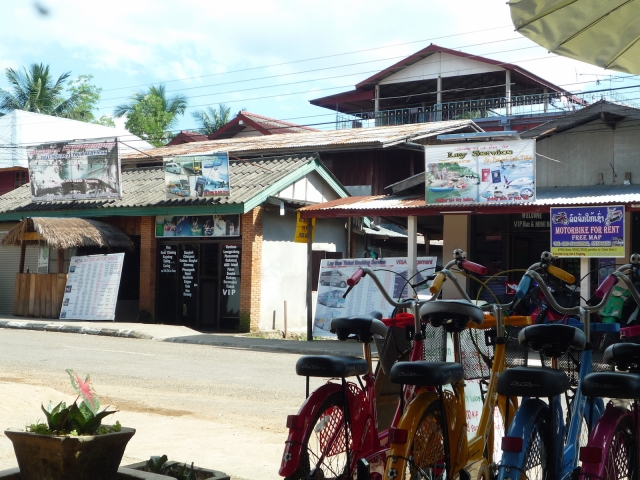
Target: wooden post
{"points": [[309, 280], [349, 228], [23, 249], [61, 260]]}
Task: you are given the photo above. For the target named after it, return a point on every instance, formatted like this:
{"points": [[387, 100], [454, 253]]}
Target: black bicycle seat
{"points": [[452, 315], [625, 356], [553, 340], [362, 326]]}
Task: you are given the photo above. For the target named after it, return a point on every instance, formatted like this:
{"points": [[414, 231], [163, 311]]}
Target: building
{"points": [[236, 263]]}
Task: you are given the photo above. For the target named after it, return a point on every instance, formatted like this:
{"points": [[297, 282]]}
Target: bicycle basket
{"points": [[392, 346], [477, 351], [435, 343]]}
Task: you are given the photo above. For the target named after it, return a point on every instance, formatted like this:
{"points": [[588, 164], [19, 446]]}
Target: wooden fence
{"points": [[39, 295]]}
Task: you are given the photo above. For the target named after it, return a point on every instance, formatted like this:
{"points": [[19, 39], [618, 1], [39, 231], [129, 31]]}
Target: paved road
{"points": [[220, 407]]}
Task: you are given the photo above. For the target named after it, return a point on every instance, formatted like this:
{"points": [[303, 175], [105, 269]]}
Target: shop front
{"points": [[198, 271]]}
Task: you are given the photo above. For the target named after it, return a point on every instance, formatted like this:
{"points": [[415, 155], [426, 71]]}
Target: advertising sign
{"points": [[587, 231], [92, 287], [197, 175], [301, 234], [74, 171], [365, 297], [198, 226], [486, 172]]}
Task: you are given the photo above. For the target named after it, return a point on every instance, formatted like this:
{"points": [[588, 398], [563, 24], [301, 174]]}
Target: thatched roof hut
{"points": [[62, 233]]}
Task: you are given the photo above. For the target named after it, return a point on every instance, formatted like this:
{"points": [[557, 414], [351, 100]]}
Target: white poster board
{"points": [[92, 287], [364, 297]]}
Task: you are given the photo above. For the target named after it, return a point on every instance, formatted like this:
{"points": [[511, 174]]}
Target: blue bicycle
{"points": [[540, 444]]}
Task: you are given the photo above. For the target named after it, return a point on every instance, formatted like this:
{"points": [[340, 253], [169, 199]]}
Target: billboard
{"points": [[74, 170], [198, 226], [197, 175], [587, 231], [485, 172]]}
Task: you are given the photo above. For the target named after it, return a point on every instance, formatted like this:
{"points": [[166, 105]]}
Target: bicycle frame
{"points": [[461, 450]]}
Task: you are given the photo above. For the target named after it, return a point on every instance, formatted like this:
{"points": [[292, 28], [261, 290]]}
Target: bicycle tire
{"points": [[619, 458], [539, 456], [427, 447], [324, 447]]}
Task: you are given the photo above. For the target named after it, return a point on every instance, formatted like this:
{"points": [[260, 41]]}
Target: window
{"points": [[20, 178]]}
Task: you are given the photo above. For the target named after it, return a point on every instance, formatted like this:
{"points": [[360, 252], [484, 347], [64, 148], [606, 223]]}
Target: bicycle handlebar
{"points": [[606, 285], [355, 277], [561, 274], [474, 267]]}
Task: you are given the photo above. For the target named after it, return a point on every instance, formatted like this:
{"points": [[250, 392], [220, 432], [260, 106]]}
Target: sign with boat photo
{"points": [[197, 175], [485, 172]]}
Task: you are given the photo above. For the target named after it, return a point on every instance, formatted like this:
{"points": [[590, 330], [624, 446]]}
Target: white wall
{"points": [[311, 188], [440, 64]]}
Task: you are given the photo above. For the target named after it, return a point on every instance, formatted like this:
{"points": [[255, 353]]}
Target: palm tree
{"points": [[34, 90], [151, 114], [210, 120]]}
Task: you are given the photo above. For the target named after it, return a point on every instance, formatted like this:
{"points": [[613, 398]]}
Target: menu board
{"points": [[92, 286], [189, 263], [168, 259], [365, 297], [230, 289]]}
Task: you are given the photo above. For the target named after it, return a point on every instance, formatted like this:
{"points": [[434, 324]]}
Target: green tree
{"points": [[35, 90], [105, 121], [151, 114], [89, 96], [211, 120]]}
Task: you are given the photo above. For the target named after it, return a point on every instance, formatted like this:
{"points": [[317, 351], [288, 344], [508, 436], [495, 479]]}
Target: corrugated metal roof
{"points": [[145, 187], [413, 204], [379, 137]]}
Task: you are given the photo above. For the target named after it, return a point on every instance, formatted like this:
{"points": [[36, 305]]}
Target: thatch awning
{"points": [[61, 233]]}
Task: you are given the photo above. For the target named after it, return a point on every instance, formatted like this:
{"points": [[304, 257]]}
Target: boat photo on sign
{"points": [[197, 175], [485, 172], [587, 231]]}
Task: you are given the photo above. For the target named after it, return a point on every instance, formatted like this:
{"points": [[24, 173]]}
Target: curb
{"points": [[50, 327]]}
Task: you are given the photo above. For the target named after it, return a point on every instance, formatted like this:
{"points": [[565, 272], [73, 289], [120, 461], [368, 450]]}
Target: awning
{"points": [[61, 233]]}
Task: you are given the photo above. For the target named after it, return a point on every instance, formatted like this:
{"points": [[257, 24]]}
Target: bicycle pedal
{"points": [[464, 475]]}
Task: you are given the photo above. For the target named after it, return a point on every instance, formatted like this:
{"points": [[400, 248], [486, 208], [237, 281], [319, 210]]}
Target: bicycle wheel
{"points": [[427, 450], [324, 454], [619, 460], [539, 455]]}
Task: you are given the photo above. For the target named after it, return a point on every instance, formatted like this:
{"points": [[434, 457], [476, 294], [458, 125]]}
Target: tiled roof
{"points": [[377, 137], [186, 136], [277, 126], [145, 187]]}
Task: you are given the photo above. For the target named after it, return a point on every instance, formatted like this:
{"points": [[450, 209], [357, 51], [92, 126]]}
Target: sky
{"points": [[269, 57]]}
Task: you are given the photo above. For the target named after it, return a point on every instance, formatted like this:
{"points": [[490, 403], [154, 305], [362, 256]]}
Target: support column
{"points": [[412, 247], [309, 301], [545, 97], [377, 100], [439, 99], [148, 264], [585, 284], [507, 93], [251, 266], [456, 231]]}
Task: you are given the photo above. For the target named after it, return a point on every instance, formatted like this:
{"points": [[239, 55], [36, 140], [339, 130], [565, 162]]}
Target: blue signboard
{"points": [[587, 231]]}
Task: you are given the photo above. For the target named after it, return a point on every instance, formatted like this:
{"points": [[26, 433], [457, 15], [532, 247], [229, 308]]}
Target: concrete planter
{"points": [[50, 457], [201, 473]]}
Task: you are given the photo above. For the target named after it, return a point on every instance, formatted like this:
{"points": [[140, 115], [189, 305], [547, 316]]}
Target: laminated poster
{"points": [[92, 287]]}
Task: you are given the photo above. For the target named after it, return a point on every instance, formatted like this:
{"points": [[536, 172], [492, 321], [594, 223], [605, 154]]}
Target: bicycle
{"points": [[540, 443], [430, 441], [335, 433], [612, 450]]}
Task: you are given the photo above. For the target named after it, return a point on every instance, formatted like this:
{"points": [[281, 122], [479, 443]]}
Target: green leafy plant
{"points": [[76, 419], [179, 472]]}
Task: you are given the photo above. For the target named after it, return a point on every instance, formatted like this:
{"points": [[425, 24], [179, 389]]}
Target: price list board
{"points": [[230, 288], [92, 287]]}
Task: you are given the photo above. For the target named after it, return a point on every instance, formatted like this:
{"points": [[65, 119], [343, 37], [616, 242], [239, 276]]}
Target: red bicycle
{"points": [[335, 433]]}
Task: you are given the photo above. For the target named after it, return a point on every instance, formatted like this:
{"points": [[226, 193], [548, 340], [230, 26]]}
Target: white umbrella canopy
{"points": [[605, 33]]}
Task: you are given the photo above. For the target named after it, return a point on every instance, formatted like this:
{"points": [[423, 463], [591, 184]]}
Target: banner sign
{"points": [[587, 231], [485, 172], [197, 175], [92, 287], [75, 171], [198, 226], [301, 234], [364, 297]]}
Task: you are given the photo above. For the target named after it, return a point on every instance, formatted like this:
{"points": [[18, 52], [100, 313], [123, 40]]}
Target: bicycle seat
{"points": [[362, 326], [553, 340], [625, 356], [612, 385], [331, 366], [426, 374], [452, 315], [532, 382]]}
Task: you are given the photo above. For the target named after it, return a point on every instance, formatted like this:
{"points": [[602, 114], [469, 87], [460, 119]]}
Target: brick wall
{"points": [[148, 264], [251, 265]]}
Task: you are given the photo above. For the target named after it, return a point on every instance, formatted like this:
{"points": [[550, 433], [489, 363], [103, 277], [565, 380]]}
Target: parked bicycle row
{"points": [[542, 415]]}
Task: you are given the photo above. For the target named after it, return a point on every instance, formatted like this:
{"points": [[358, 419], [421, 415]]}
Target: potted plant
{"points": [[162, 466], [73, 444]]}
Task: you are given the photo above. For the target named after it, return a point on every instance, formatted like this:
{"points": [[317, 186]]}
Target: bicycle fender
{"points": [[520, 428], [602, 435], [399, 452], [293, 445]]}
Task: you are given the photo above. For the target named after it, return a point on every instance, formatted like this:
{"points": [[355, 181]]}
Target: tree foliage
{"points": [[211, 120], [35, 90], [151, 114]]}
